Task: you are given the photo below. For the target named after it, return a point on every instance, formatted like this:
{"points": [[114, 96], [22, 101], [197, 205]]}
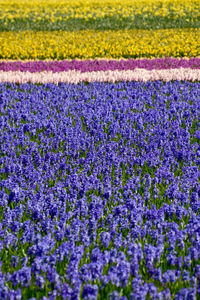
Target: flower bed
{"points": [[51, 15], [92, 43], [100, 189]]}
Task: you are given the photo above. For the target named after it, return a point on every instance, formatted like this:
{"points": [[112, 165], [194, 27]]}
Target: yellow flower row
{"points": [[54, 10], [91, 44]]}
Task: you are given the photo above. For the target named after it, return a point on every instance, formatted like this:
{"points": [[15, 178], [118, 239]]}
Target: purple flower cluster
{"points": [[99, 191], [100, 65]]}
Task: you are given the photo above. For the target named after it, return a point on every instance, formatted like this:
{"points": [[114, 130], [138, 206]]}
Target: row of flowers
{"points": [[99, 64], [99, 191], [91, 44], [74, 76], [52, 10], [100, 18]]}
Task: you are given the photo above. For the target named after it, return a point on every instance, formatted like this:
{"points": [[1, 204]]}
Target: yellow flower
{"points": [[91, 44], [87, 9]]}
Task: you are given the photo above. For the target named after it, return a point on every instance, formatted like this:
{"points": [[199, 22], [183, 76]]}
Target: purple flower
{"points": [[197, 270], [194, 253], [66, 291], [183, 293], [153, 290], [169, 276], [134, 267], [157, 274], [186, 275], [105, 238], [14, 294], [22, 276], [85, 274], [14, 261], [166, 294], [114, 296], [40, 281], [90, 292], [187, 261]]}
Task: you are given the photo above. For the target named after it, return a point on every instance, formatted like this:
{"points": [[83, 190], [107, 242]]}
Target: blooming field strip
{"points": [[91, 44], [98, 15], [100, 76], [99, 64], [99, 190]]}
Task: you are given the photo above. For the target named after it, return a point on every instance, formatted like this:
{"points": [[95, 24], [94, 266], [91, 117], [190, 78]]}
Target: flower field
{"points": [[100, 150]]}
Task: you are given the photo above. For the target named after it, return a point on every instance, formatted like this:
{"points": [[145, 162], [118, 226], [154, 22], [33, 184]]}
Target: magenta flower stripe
{"points": [[99, 65]]}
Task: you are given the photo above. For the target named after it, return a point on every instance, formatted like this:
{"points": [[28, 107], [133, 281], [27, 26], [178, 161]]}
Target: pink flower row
{"points": [[100, 64], [103, 76]]}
